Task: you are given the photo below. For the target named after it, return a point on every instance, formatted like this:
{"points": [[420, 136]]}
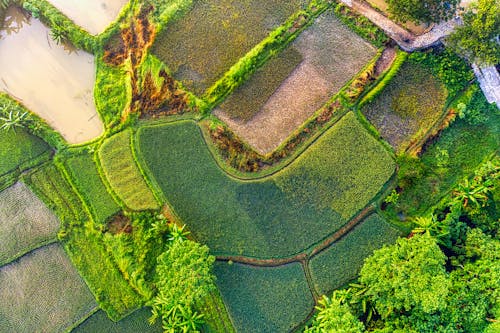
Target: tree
{"points": [[477, 38], [184, 278], [422, 11], [14, 118], [335, 317]]}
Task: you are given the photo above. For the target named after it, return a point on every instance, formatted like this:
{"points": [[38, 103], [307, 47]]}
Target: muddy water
{"points": [[92, 15], [54, 83]]}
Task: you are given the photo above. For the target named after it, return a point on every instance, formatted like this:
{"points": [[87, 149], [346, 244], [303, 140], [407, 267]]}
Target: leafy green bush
{"points": [[341, 262], [123, 174], [264, 299]]}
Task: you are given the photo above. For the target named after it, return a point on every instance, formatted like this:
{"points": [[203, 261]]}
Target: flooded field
{"points": [[92, 15], [53, 82]]}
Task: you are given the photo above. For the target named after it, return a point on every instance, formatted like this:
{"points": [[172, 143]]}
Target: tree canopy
{"points": [[422, 11]]}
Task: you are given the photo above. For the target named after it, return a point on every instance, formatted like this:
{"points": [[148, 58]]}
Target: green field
{"points": [[341, 262], [248, 99], [42, 292], [18, 148], [123, 175], [408, 106], [25, 222], [268, 217], [83, 172], [203, 44], [270, 299], [136, 322]]}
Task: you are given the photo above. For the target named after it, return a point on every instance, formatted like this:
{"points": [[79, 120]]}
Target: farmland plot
{"points": [[51, 81], [328, 64], [336, 177], [25, 222], [103, 12], [42, 292], [201, 46], [134, 323]]}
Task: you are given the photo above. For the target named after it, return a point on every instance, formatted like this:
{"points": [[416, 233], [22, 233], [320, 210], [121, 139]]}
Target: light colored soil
{"points": [[92, 15], [52, 82], [42, 292], [385, 60], [24, 221], [329, 62]]}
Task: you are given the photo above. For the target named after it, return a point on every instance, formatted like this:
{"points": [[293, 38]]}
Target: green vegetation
{"points": [[264, 299], [133, 323], [249, 98], [122, 173], [26, 223], [84, 175], [42, 292], [244, 217], [427, 11], [411, 104], [477, 38], [341, 262], [203, 44]]}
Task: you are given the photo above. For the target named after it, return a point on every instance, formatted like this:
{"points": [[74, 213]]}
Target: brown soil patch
{"points": [[385, 60], [119, 224]]}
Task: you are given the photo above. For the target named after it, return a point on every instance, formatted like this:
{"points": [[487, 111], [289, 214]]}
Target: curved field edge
{"points": [[175, 156]]}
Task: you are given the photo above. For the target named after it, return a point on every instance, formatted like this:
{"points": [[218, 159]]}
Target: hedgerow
{"points": [[264, 299]]}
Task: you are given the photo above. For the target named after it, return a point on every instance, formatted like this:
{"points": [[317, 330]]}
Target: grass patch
{"points": [[408, 106], [341, 262], [215, 314], [263, 218], [203, 44], [25, 223], [123, 175], [248, 99], [271, 299], [135, 322], [42, 292], [83, 172], [20, 150], [455, 154]]}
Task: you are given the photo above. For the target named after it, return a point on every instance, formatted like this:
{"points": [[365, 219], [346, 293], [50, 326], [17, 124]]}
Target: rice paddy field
{"points": [[315, 193], [25, 222], [42, 292], [135, 322], [204, 43], [411, 103]]}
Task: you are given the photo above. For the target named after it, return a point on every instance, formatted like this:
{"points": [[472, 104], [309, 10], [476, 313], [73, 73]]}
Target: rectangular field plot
{"points": [[264, 299], [137, 322], [276, 216], [408, 106], [84, 174], [25, 222], [341, 262], [92, 15], [123, 174], [52, 82], [42, 292], [18, 148], [332, 54], [201, 46]]}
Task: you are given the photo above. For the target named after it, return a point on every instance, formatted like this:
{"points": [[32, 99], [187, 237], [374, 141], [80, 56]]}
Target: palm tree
{"points": [[472, 192], [58, 33], [12, 120], [431, 226]]}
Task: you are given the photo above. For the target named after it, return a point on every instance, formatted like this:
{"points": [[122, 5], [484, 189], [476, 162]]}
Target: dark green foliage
{"points": [[409, 105], [133, 323], [419, 11], [264, 299], [477, 38], [249, 98], [201, 46], [246, 217], [83, 172], [341, 262]]}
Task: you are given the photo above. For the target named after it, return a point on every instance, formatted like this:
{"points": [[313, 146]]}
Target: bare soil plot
{"points": [[54, 83], [332, 55], [92, 15], [42, 292], [201, 46], [25, 222]]}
